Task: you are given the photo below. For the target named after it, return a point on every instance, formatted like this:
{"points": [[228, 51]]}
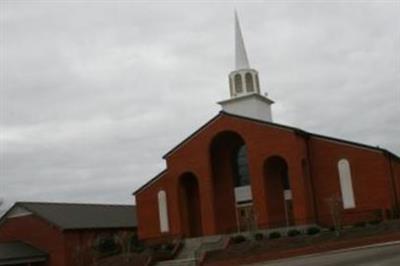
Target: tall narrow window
{"points": [[163, 211], [238, 83], [242, 177], [346, 185], [249, 82]]}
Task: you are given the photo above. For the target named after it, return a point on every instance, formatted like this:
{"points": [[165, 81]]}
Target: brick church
{"points": [[242, 170]]}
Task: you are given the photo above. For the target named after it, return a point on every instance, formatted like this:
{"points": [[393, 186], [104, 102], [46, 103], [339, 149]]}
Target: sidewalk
{"points": [[383, 254]]}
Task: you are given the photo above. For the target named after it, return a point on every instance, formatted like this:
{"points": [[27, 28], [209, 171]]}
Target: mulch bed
{"points": [[256, 251]]}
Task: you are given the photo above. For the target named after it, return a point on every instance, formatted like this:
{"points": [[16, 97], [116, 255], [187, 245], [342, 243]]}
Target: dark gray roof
{"points": [[19, 252], [83, 216]]}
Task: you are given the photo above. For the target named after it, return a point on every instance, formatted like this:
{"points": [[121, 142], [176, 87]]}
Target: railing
{"points": [[201, 251], [154, 258]]}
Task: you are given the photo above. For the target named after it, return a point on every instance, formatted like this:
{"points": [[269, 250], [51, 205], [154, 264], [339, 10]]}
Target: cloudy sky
{"points": [[93, 93]]}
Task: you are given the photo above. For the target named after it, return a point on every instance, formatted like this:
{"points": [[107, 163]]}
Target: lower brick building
{"points": [[60, 234], [241, 170]]}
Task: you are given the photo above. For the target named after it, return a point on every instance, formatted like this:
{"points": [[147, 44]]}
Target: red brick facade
{"points": [[64, 247], [38, 233], [199, 185]]}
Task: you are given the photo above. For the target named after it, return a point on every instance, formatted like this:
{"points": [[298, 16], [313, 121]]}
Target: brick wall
{"points": [[38, 233], [65, 248], [312, 168]]}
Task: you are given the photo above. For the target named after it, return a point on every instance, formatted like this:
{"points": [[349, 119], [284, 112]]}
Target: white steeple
{"points": [[244, 85], [241, 60]]}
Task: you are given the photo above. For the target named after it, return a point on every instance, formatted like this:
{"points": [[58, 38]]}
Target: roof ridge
{"points": [[73, 203]]}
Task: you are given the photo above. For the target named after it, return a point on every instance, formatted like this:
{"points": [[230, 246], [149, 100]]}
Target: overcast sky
{"points": [[93, 93]]}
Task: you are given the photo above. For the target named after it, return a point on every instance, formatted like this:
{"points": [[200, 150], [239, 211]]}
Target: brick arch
{"points": [[190, 205], [223, 148], [277, 181]]}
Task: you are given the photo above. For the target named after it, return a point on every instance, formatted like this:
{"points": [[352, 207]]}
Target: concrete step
{"points": [[177, 262], [186, 256]]}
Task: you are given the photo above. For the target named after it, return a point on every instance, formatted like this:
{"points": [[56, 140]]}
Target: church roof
{"points": [[294, 129], [69, 216]]}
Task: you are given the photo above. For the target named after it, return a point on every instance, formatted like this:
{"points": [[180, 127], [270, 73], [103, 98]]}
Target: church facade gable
{"points": [[209, 160], [241, 171], [287, 179]]}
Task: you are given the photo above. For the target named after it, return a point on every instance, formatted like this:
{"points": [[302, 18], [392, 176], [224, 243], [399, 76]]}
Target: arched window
{"points": [[346, 185], [242, 175], [249, 82], [163, 211], [238, 83]]}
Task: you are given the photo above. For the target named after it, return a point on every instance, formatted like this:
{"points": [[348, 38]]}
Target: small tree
{"points": [[336, 210], [125, 241]]}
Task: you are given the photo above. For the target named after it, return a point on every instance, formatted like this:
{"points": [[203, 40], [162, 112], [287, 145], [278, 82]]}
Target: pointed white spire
{"points": [[244, 86], [241, 60]]}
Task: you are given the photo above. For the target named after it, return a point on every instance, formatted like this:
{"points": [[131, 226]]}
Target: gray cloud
{"points": [[94, 93]]}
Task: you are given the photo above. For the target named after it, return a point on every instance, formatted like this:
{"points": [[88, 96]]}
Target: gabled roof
{"points": [[16, 252], [276, 125], [69, 216]]}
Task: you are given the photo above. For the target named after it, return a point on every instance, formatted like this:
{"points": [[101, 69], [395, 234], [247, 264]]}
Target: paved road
{"points": [[374, 256]]}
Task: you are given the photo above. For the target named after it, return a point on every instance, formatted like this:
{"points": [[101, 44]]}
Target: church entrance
{"points": [[246, 217], [279, 193], [230, 178], [190, 205]]}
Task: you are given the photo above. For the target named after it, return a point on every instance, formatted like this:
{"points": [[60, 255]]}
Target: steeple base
{"points": [[251, 105]]}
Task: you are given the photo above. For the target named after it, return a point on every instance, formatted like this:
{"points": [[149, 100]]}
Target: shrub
{"points": [[313, 231], [375, 222], [168, 247], [139, 248], [274, 235], [258, 236], [238, 239], [360, 224], [106, 245], [293, 232]]}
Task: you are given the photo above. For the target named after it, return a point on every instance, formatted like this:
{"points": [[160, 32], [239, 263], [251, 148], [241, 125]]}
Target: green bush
{"points": [[258, 236], [274, 235], [313, 230], [293, 232], [135, 245], [238, 239], [375, 222], [106, 245], [167, 247], [139, 248], [360, 224]]}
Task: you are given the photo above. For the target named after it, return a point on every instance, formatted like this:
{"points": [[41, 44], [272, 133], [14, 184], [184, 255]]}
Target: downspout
{"points": [[310, 173]]}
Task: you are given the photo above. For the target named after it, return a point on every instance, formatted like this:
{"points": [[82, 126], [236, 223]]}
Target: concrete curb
{"points": [[389, 243]]}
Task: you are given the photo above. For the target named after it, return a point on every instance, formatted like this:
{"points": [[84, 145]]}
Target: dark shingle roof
{"points": [[83, 216], [19, 252]]}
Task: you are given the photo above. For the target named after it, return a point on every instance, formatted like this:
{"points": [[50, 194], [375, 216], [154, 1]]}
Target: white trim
{"points": [[346, 185], [163, 211], [18, 212]]}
